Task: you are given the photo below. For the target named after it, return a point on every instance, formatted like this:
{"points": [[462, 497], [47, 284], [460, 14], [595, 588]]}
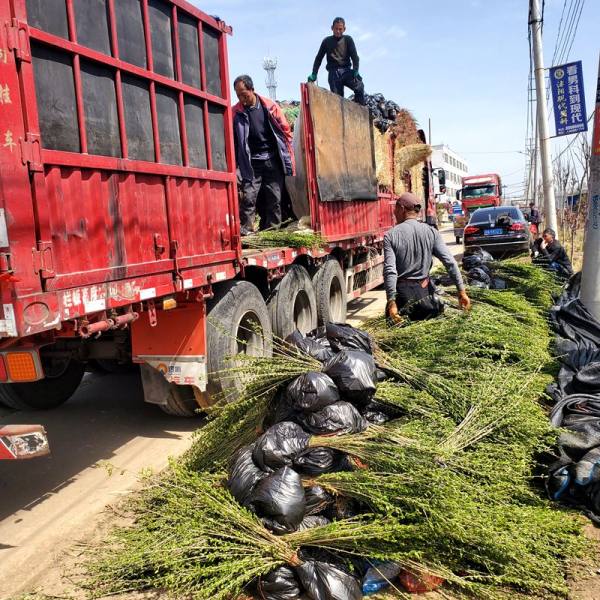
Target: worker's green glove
{"points": [[357, 75], [312, 78]]}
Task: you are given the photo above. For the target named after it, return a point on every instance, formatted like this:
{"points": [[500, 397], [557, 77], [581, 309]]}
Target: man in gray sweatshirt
{"points": [[409, 248]]}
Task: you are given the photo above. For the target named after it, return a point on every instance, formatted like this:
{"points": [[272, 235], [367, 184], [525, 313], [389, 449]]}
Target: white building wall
{"points": [[455, 166]]}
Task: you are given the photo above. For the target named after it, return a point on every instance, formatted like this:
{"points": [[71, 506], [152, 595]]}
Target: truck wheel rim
{"points": [[303, 317], [336, 300], [249, 335]]}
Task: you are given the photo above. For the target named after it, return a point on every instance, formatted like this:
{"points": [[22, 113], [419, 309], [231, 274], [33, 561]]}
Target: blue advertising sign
{"points": [[569, 98]]}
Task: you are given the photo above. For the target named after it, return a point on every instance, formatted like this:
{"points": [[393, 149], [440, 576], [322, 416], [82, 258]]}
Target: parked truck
{"points": [[477, 191], [119, 231]]}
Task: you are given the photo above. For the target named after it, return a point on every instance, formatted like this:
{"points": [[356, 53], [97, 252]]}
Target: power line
{"points": [[575, 32], [562, 14]]}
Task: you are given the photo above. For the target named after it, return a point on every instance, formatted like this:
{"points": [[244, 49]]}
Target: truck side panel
{"points": [[130, 170], [16, 203]]}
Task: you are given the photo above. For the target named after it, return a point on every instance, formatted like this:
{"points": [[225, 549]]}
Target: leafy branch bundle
{"points": [[448, 488]]}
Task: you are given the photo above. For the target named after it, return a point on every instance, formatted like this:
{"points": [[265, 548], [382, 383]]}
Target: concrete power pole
{"points": [[590, 275], [542, 113]]}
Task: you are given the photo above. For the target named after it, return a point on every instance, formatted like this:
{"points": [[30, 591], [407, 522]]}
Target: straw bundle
{"points": [[405, 128], [383, 162], [407, 157], [416, 180]]}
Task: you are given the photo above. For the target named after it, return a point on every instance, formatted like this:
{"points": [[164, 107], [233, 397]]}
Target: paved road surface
{"points": [[100, 440]]}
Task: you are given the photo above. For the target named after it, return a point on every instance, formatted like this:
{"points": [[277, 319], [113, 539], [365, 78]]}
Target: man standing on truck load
{"points": [[264, 155], [409, 248], [342, 62]]}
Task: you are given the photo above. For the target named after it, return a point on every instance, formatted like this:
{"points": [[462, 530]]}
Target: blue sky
{"points": [[461, 63]]}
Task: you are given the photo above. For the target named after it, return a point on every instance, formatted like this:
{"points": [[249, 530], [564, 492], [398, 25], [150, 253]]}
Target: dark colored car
{"points": [[499, 230]]}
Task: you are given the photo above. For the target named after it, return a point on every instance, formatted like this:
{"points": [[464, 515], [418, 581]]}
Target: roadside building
{"points": [[454, 165]]}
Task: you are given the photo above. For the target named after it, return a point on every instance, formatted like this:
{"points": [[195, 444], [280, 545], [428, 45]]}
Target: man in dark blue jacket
{"points": [[264, 155], [342, 62]]}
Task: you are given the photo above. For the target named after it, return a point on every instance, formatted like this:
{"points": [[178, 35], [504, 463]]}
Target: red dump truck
{"points": [[477, 191], [119, 234]]}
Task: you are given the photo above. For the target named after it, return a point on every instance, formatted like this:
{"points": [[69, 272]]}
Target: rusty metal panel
{"points": [[344, 152], [341, 220]]}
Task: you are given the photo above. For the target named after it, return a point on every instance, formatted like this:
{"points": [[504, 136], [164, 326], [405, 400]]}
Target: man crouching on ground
{"points": [[409, 249]]}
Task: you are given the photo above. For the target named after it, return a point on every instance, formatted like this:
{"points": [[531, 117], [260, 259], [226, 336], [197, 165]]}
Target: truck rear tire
{"points": [[330, 291], [60, 383], [293, 304], [173, 399], [181, 402], [238, 323]]}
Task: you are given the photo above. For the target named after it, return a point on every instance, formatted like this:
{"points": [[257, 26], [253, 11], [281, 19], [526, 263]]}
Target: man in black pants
{"points": [[408, 249], [264, 154], [342, 62]]}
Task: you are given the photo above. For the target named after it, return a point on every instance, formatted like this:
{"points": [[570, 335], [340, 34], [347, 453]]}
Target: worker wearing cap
{"points": [[342, 62], [409, 248]]}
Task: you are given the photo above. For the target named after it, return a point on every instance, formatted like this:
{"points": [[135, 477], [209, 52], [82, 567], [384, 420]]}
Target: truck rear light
{"points": [[470, 230], [3, 375], [517, 227], [21, 366]]}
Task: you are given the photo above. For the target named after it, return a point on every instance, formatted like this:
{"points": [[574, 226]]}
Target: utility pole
{"points": [[590, 275], [542, 112], [535, 159]]}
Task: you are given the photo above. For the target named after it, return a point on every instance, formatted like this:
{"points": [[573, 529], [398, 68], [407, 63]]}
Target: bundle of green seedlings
{"points": [[281, 238], [448, 489]]}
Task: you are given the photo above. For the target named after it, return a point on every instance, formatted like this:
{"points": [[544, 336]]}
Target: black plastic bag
{"points": [[312, 521], [316, 347], [244, 475], [471, 262], [378, 413], [479, 274], [339, 418], [498, 284], [324, 581], [279, 499], [279, 584], [280, 410], [344, 508], [573, 321], [355, 375], [312, 391], [279, 445], [317, 499], [587, 379], [345, 337], [484, 255], [319, 460]]}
